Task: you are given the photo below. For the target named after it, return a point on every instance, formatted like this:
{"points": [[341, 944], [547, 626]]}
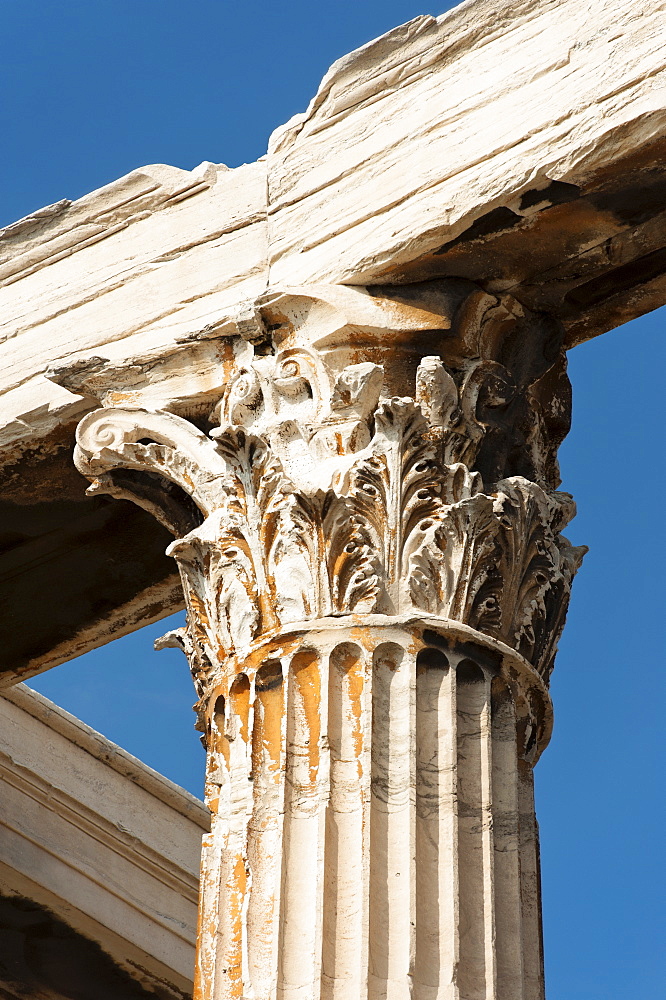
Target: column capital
{"points": [[317, 492]]}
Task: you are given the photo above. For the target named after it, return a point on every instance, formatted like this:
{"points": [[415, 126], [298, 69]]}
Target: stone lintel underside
{"points": [[518, 146]]}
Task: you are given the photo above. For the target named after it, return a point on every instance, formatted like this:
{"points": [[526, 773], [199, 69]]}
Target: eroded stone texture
{"points": [[370, 549], [518, 145]]}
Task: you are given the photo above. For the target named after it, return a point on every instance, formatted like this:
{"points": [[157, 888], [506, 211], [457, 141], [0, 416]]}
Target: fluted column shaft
{"points": [[370, 832]]}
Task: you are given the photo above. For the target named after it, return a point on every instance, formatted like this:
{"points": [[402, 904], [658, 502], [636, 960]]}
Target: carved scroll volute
{"points": [[154, 459], [308, 416]]}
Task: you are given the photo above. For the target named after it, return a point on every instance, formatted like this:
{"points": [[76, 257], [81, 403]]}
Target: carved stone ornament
{"points": [[323, 520], [315, 496]]}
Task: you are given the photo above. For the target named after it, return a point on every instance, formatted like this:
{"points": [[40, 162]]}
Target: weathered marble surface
{"points": [[413, 137], [516, 145], [124, 273]]}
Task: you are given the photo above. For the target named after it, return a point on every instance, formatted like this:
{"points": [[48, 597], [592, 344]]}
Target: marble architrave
{"points": [[541, 118]]}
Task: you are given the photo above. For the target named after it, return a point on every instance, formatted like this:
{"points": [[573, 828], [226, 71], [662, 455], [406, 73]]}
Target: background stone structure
{"points": [[99, 860]]}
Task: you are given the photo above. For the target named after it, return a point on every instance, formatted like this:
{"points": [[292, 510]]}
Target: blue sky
{"points": [[92, 90]]}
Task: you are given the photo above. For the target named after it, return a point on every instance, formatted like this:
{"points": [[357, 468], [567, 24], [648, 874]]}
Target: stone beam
{"points": [[524, 132], [520, 145], [124, 275]]}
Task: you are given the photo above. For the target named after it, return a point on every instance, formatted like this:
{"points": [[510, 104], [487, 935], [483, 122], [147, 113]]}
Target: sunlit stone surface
{"points": [[336, 378]]}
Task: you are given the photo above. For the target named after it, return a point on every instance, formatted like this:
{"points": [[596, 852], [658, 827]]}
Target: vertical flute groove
{"points": [[476, 978], [436, 958], [230, 953], [506, 833], [390, 826], [213, 845], [299, 903], [344, 869], [530, 887], [487, 836], [265, 830]]}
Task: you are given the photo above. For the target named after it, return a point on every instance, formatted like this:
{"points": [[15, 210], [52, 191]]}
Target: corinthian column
{"points": [[368, 536]]}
